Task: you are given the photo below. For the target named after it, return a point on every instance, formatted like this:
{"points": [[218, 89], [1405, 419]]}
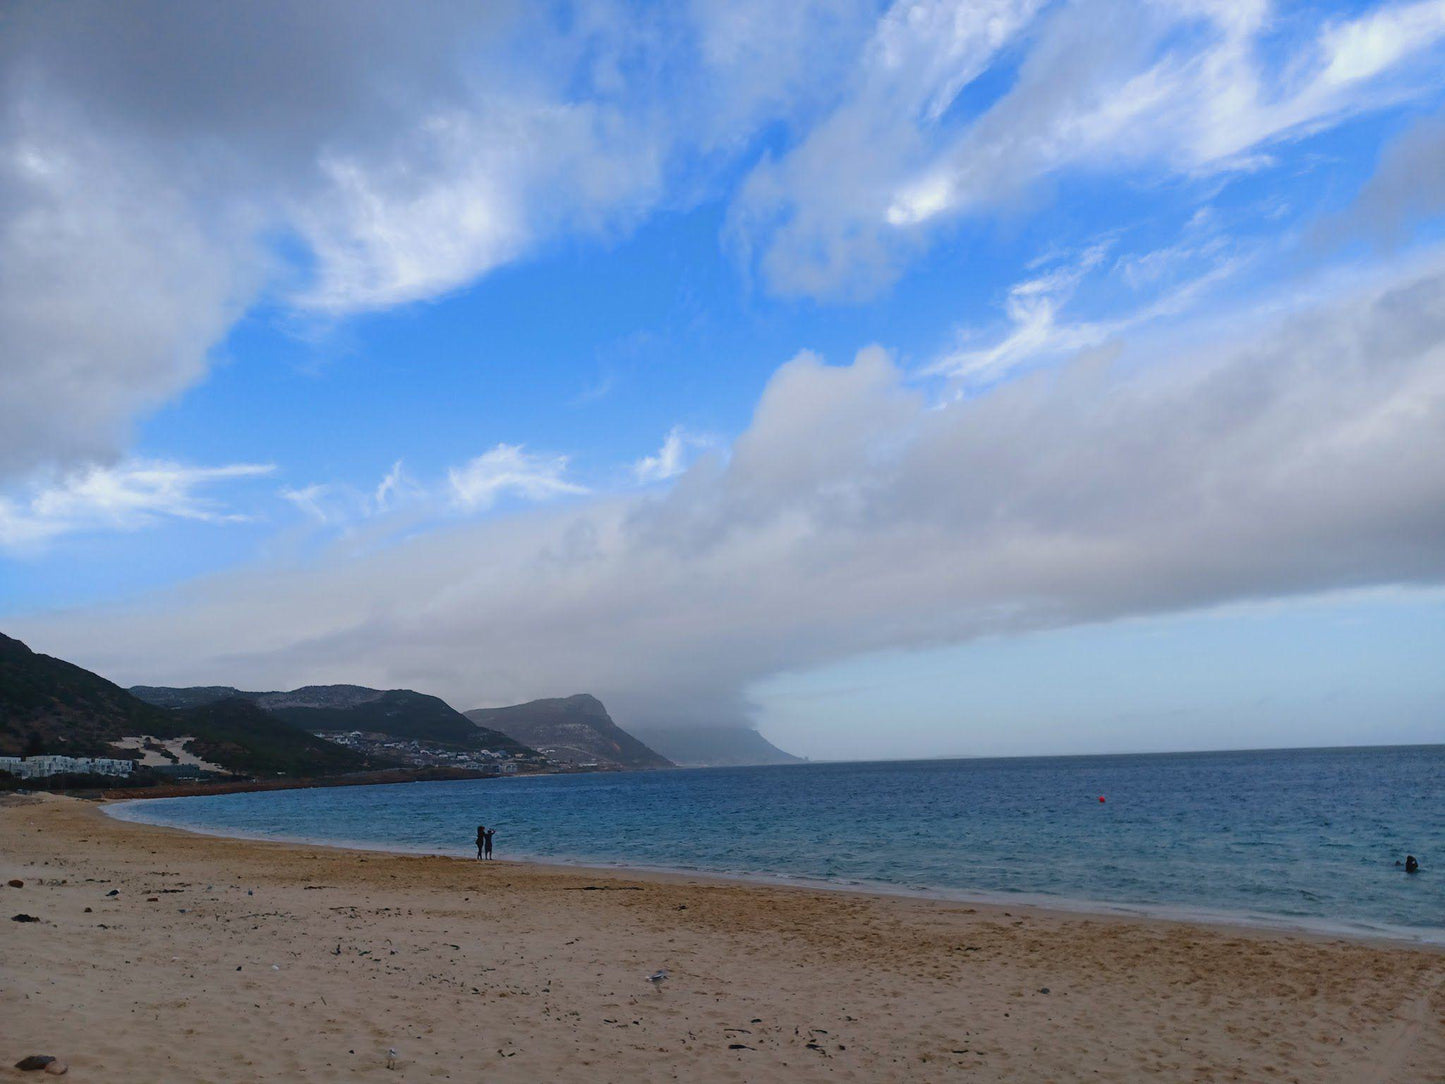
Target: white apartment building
{"points": [[41, 766]]}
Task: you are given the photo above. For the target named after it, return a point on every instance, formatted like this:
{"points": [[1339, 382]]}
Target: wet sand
{"points": [[223, 960]]}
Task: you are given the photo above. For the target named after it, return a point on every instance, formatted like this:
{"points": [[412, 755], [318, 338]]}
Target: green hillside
{"points": [[48, 705], [246, 739], [397, 713], [52, 706]]}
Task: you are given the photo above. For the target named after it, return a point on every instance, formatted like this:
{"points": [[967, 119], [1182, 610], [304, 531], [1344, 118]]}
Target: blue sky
{"points": [[797, 367]]}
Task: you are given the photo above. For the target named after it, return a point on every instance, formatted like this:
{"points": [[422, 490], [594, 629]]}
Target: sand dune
{"points": [[234, 961]]}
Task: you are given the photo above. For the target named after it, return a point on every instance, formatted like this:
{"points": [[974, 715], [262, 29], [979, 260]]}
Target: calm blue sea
{"points": [[1299, 837]]}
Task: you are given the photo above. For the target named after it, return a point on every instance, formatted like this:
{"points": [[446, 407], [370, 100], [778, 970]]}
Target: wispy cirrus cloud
{"points": [[671, 458], [132, 495], [509, 469], [1177, 279], [473, 487], [1176, 89], [398, 155], [335, 503]]}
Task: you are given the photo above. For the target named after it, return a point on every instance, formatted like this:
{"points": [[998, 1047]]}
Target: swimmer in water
{"points": [[1411, 865]]}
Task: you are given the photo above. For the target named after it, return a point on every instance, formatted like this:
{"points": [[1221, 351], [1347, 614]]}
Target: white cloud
{"points": [[337, 159], [817, 216], [1037, 333], [311, 500], [113, 287], [1268, 458], [509, 469], [473, 487], [133, 495], [145, 198], [395, 487], [670, 460], [1362, 48], [1182, 88], [340, 504], [461, 195]]}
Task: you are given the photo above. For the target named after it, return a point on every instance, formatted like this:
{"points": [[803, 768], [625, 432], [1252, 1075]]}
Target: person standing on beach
{"points": [[487, 842], [482, 840]]}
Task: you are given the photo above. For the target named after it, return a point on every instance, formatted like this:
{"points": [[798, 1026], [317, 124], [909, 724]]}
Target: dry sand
{"points": [[222, 960]]}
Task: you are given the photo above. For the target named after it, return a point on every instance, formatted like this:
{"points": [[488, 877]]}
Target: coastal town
{"points": [[427, 754]]}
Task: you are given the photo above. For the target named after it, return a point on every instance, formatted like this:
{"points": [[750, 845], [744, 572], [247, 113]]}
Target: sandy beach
{"points": [[163, 955]]}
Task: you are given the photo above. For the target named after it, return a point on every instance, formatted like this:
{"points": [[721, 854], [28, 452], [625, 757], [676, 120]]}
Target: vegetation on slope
{"points": [[48, 705]]}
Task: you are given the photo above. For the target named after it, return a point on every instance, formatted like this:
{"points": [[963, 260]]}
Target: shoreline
{"points": [[1427, 938], [224, 959], [204, 789]]}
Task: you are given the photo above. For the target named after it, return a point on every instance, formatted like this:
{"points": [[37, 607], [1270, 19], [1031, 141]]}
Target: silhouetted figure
{"points": [[481, 840], [487, 843], [1411, 866]]}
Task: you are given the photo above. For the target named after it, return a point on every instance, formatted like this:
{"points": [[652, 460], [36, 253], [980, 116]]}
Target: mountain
{"points": [[397, 713], [49, 705], [714, 747], [574, 730], [239, 735], [193, 697]]}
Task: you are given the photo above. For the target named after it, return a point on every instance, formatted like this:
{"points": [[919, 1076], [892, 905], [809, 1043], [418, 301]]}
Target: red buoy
{"points": [[1101, 797]]}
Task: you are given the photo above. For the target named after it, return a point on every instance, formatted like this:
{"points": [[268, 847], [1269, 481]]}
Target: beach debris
{"points": [[658, 977], [739, 1046], [23, 917], [34, 1061], [391, 1057], [15, 882], [113, 892], [337, 950], [604, 888], [1043, 989], [57, 1068]]}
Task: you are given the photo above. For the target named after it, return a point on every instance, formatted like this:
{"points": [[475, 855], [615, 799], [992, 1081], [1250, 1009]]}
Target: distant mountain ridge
{"points": [[308, 696], [572, 730], [715, 747], [399, 713], [53, 706]]}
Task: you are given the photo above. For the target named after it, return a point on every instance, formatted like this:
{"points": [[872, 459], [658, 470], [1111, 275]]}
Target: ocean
{"points": [[1297, 838]]}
